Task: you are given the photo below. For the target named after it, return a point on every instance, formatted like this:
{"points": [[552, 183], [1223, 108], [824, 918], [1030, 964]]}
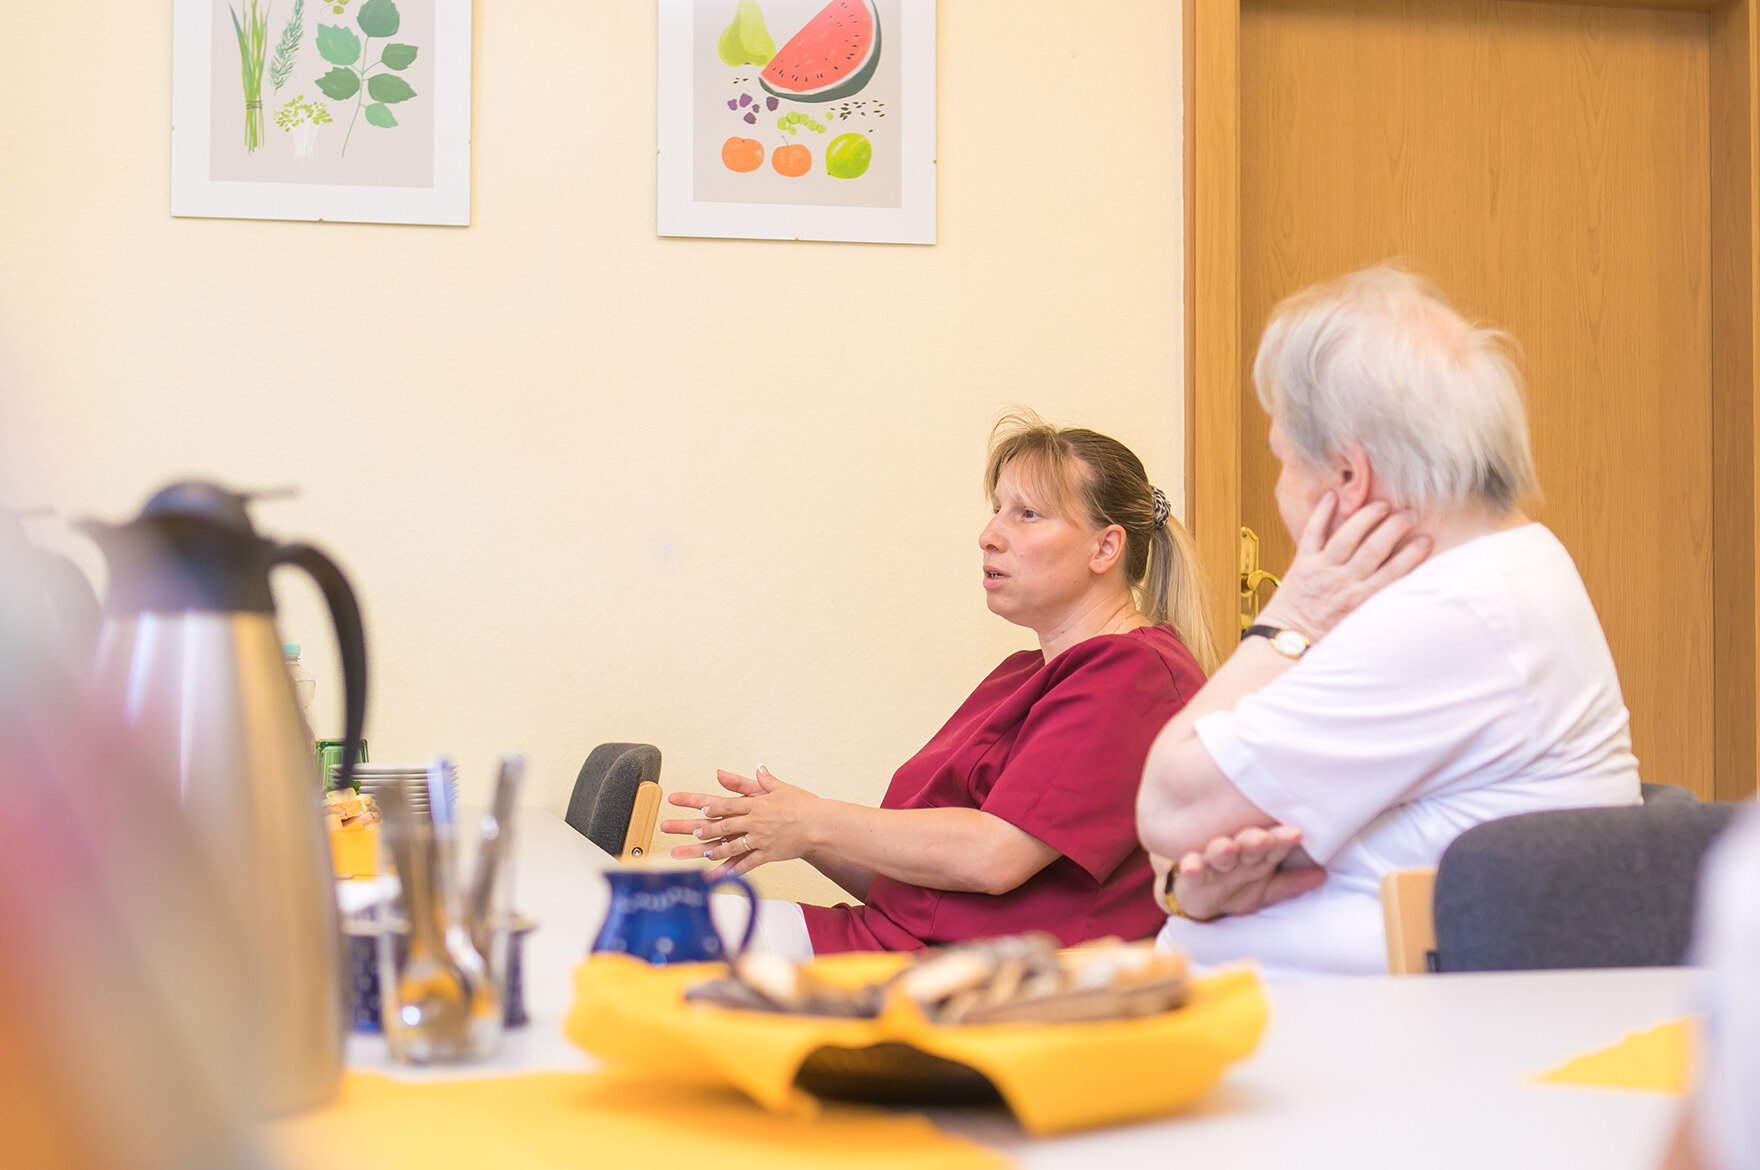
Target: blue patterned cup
{"points": [[662, 916]]}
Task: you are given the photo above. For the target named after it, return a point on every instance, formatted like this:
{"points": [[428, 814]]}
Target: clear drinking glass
{"points": [[438, 1000]]}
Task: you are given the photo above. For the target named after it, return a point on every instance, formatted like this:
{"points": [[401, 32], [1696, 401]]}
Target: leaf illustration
{"points": [[378, 18], [400, 56], [339, 84], [287, 49], [380, 115], [338, 45], [386, 88]]}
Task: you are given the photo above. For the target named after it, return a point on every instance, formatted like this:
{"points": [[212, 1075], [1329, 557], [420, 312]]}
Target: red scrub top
{"points": [[1056, 749]]}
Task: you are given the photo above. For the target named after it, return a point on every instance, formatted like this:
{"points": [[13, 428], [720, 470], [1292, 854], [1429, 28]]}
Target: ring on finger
{"points": [[745, 843]]}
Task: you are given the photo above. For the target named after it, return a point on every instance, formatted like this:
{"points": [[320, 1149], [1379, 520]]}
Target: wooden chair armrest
{"points": [[640, 837], [1408, 907]]}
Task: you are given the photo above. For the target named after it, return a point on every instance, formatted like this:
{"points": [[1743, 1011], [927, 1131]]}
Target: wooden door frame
{"points": [[1210, 65]]}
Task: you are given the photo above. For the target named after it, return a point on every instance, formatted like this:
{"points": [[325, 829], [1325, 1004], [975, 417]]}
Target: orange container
{"points": [[354, 851]]}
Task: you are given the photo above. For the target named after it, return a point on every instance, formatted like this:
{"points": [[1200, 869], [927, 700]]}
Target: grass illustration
{"points": [[354, 78], [253, 38], [287, 48]]}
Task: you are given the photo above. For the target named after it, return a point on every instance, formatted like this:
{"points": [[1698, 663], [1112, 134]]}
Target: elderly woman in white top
{"points": [[1431, 662]]}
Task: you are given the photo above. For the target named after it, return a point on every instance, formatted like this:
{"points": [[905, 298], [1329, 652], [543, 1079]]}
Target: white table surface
{"points": [[1418, 1071]]}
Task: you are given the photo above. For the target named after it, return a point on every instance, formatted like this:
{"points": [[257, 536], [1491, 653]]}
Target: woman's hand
{"points": [[766, 820], [1240, 874], [1332, 575]]}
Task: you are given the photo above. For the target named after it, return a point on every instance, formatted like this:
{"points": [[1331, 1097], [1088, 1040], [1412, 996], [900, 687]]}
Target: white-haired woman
{"points": [[1431, 662]]}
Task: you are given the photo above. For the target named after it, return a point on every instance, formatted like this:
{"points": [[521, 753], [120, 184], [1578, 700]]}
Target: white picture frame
{"points": [[424, 178], [696, 92]]}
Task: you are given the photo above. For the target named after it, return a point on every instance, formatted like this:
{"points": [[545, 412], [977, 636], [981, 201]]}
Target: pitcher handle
{"points": [[745, 888], [351, 640]]}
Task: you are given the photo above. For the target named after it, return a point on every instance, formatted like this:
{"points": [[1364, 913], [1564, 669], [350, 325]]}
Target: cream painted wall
{"points": [[592, 484]]}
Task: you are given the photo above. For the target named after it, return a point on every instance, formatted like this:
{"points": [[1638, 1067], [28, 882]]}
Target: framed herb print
{"points": [[322, 110]]}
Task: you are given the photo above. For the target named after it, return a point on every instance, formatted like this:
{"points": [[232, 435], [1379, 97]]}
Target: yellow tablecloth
{"points": [[549, 1121], [1054, 1077]]}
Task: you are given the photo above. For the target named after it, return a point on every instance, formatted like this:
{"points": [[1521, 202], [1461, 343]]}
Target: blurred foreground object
{"points": [[122, 1027], [1728, 947], [58, 591], [190, 659]]}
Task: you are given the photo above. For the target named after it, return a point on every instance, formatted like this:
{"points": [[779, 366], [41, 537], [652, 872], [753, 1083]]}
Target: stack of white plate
{"points": [[376, 781]]}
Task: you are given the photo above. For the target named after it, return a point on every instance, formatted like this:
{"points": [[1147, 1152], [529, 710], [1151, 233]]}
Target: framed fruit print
{"points": [[798, 119]]}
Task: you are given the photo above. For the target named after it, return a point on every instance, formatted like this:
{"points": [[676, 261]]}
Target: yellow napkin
{"points": [[1658, 1060], [1055, 1077], [549, 1121]]}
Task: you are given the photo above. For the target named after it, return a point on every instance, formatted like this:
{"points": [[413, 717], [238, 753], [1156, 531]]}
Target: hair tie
{"points": [[1158, 500]]}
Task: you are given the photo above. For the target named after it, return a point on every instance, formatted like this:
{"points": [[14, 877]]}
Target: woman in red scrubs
{"points": [[1020, 813]]}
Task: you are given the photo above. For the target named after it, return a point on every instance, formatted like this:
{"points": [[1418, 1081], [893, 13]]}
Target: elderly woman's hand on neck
{"points": [[1336, 569]]}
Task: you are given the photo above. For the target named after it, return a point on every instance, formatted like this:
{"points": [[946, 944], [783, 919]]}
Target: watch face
{"points": [[1290, 643]]}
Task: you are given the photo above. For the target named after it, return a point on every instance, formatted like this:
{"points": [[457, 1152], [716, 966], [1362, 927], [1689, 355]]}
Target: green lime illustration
{"points": [[848, 156]]}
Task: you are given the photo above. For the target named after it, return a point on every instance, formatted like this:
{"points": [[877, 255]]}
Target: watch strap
{"points": [[1290, 643]]}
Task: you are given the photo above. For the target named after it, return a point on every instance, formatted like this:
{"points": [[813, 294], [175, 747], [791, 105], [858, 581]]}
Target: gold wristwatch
{"points": [[1287, 642]]}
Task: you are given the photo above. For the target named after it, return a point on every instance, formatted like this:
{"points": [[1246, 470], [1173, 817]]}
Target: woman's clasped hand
{"points": [[765, 820], [1244, 873]]}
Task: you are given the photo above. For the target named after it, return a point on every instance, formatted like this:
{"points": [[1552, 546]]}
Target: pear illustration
{"points": [[746, 41]]}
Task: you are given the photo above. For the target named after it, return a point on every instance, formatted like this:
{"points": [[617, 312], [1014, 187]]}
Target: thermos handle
{"points": [[745, 888], [351, 639]]}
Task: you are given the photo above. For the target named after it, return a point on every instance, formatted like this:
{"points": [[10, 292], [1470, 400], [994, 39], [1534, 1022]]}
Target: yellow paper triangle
{"points": [[1657, 1060]]}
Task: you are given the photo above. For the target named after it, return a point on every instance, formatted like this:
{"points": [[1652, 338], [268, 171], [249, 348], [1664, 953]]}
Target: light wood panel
{"points": [[1212, 302], [1548, 165], [1735, 322]]}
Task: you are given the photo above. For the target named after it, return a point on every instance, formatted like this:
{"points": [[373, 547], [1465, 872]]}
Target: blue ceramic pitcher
{"points": [[663, 916]]}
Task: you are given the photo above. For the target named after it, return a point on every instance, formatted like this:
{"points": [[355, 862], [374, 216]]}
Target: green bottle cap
{"points": [[290, 649]]}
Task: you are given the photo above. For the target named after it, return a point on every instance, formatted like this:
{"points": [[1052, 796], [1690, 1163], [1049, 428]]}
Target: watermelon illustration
{"points": [[832, 57]]}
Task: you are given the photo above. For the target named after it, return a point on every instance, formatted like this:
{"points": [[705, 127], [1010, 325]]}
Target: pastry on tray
{"points": [[1019, 979], [344, 809]]}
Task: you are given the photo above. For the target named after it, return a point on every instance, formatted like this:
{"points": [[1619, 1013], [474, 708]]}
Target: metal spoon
{"points": [[482, 1004], [432, 994]]}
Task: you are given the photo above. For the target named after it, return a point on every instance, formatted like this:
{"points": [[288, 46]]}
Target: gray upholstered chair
{"points": [[1667, 794], [1597, 887], [616, 798]]}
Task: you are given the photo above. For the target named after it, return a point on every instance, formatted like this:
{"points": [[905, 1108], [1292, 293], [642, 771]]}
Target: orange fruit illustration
{"points": [[794, 160], [742, 154]]}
